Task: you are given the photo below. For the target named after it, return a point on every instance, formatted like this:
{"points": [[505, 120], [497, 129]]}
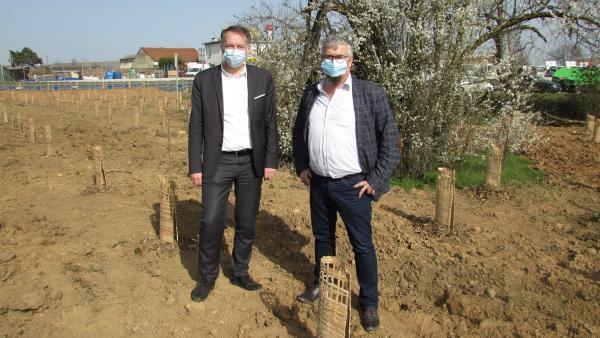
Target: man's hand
{"points": [[365, 187], [196, 179], [269, 173], [305, 176]]}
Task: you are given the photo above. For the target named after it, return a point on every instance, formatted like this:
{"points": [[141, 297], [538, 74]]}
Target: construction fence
{"points": [[166, 84]]}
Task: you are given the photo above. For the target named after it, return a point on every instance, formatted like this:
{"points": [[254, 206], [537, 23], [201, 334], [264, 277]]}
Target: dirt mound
{"points": [[568, 157], [75, 262]]}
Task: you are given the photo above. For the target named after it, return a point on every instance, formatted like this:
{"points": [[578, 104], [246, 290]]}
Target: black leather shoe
{"points": [[369, 318], [202, 289], [310, 295], [245, 282]]}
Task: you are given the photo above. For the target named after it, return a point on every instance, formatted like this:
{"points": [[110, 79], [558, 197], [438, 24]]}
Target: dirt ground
{"points": [[79, 263]]}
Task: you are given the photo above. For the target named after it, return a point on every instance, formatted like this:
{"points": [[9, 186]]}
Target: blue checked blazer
{"points": [[376, 133]]}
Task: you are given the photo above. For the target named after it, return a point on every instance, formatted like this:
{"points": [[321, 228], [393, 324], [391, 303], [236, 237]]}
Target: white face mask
{"points": [[334, 68], [234, 57]]}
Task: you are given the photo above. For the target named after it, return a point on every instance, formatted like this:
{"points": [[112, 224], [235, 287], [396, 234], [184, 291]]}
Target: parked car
{"points": [[550, 72], [542, 85]]}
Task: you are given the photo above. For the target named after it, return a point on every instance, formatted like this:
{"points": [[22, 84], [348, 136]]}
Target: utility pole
{"points": [[46, 65], [177, 81]]}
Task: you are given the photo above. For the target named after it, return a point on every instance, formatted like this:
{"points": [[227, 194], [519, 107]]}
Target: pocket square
{"points": [[259, 96]]}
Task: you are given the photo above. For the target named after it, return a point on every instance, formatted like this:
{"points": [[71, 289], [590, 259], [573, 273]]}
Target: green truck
{"points": [[572, 78]]}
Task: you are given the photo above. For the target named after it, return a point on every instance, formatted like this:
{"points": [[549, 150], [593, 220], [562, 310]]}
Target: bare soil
{"points": [[75, 262]]}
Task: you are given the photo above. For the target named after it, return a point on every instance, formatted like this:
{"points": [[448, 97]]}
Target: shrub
{"points": [[566, 105]]}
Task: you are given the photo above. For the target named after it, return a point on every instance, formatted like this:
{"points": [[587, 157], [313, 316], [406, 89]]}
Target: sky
{"points": [[106, 30]]}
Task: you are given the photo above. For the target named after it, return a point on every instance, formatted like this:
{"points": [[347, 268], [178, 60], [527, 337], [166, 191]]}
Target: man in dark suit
{"points": [[344, 146], [232, 141]]}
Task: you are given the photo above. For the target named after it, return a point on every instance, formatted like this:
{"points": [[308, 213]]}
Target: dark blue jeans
{"points": [[327, 198]]}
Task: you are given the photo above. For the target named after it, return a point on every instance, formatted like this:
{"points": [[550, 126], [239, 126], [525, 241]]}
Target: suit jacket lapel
{"points": [[219, 90], [251, 90]]}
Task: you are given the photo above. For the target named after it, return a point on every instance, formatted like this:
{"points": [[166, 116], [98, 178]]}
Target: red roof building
{"points": [[146, 59]]}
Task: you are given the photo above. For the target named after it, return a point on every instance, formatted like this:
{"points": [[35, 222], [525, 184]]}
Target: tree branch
{"points": [[503, 27]]}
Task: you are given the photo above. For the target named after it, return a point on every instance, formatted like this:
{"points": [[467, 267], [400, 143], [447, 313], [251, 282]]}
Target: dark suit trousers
{"points": [[238, 171]]}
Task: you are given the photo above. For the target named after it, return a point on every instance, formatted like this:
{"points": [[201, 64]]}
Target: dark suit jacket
{"points": [[376, 133], [206, 121]]}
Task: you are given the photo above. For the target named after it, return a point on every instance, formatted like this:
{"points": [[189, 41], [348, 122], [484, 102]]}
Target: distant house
{"points": [[146, 59], [213, 53], [126, 62]]}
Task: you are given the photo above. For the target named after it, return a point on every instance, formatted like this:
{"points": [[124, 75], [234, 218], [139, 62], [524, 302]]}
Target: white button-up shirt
{"points": [[236, 122], [332, 133]]}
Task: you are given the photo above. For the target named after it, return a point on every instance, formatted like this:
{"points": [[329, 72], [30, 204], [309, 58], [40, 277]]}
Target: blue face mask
{"points": [[234, 57], [334, 68]]}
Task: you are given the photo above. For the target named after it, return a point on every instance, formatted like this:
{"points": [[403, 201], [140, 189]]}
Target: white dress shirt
{"points": [[236, 122], [332, 133]]}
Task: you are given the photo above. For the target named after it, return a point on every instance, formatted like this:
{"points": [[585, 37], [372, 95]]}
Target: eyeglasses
{"points": [[337, 58]]}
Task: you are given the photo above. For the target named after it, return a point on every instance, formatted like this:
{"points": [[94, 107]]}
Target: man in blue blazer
{"points": [[345, 149], [232, 141]]}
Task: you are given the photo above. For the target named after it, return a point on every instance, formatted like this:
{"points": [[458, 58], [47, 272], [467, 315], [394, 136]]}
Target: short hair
{"points": [[334, 41], [237, 29]]}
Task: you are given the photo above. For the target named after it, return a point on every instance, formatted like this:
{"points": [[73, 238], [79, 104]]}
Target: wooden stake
{"points": [[597, 132], [100, 177], [20, 124], [4, 115], [31, 130], [136, 118], [110, 112], [141, 105], [97, 108]]}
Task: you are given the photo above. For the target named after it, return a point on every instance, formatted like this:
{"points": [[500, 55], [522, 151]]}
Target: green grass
{"points": [[470, 172], [427, 182]]}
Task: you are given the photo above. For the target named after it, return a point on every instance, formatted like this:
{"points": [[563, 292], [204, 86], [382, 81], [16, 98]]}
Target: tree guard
{"points": [[49, 145], [590, 121], [168, 224], [333, 313], [494, 168], [444, 198]]}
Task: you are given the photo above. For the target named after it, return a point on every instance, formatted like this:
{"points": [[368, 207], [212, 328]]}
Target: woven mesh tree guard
{"points": [[333, 313]]}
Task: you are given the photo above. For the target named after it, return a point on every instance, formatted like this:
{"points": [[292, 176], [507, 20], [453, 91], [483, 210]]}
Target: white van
{"points": [[194, 68]]}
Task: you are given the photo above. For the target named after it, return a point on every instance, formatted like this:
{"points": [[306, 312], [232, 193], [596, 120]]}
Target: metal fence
{"points": [[168, 84]]}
